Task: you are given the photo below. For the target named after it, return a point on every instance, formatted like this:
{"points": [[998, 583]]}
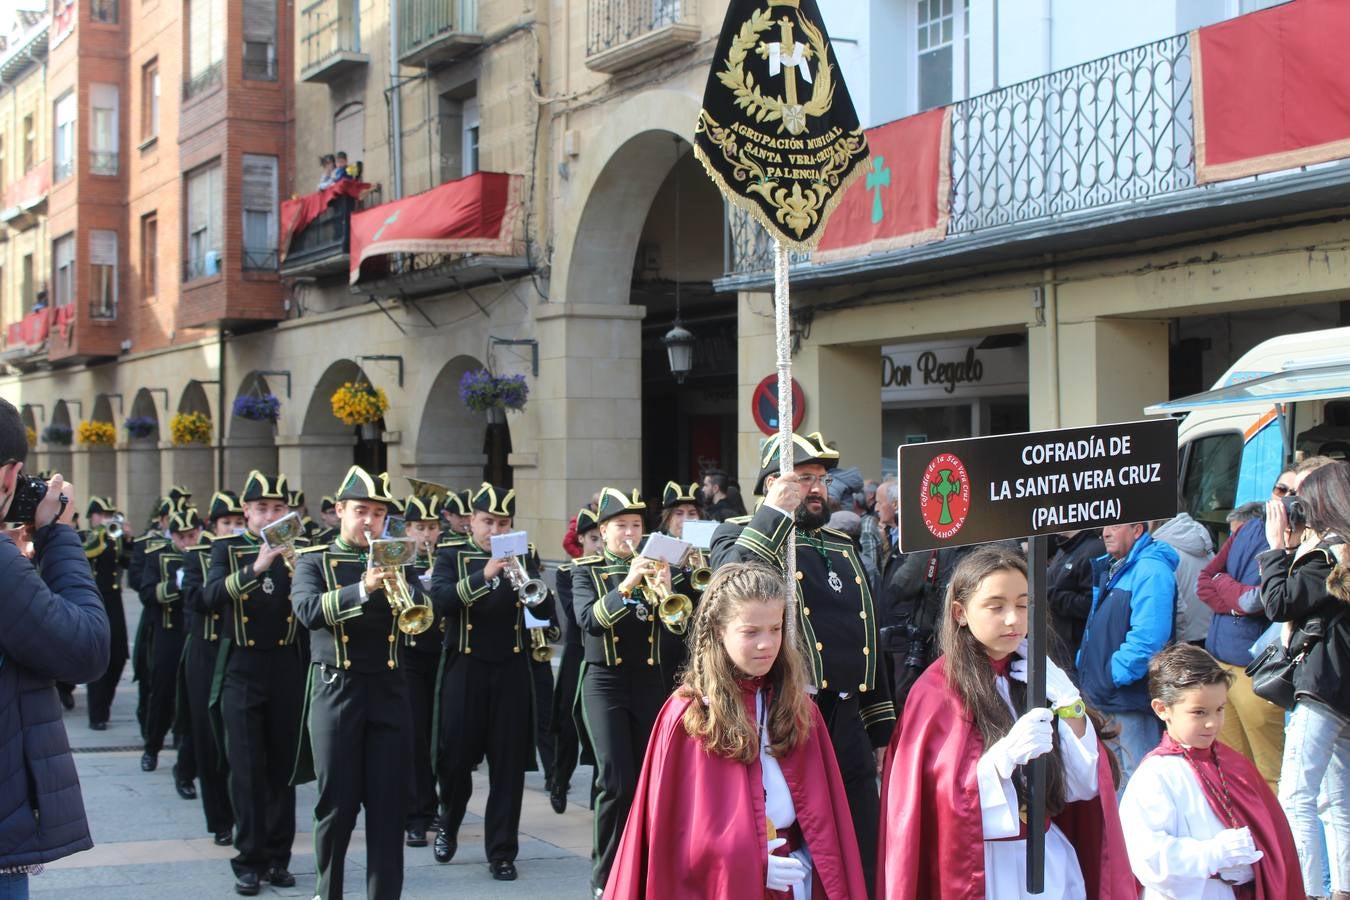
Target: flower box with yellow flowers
{"points": [[97, 434], [359, 403], [190, 428]]}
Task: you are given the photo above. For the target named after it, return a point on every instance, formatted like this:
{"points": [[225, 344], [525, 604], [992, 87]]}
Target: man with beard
{"points": [[835, 614]]}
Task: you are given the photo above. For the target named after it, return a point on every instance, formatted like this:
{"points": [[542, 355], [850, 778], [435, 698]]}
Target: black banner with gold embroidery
{"points": [[778, 132]]}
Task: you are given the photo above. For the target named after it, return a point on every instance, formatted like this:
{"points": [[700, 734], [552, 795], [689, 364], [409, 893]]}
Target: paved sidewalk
{"points": [[149, 842]]}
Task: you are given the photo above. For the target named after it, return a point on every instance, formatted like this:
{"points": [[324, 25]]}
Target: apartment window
{"points": [[260, 212], [470, 138], [103, 104], [29, 142], [63, 151], [26, 283], [150, 100], [941, 29], [204, 222], [206, 45], [103, 274], [103, 11], [149, 254], [260, 40], [63, 270]]}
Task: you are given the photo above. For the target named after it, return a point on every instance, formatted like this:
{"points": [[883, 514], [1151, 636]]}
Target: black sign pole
{"points": [[1037, 643]]}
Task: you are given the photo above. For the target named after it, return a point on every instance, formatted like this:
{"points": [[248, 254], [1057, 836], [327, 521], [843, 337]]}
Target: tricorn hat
{"points": [[420, 509], [327, 503], [585, 520], [809, 449], [295, 498], [103, 505], [358, 484], [674, 494], [614, 502], [179, 492], [224, 503], [185, 519], [458, 503], [263, 487], [491, 499]]}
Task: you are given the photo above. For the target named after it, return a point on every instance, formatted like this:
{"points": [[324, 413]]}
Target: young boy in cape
{"points": [[954, 790], [1200, 821], [740, 796]]}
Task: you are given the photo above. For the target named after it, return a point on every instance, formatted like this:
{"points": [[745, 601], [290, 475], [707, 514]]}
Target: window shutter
{"points": [[103, 248], [260, 178], [260, 21]]}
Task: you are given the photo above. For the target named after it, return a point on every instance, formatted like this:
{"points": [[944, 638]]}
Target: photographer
{"points": [[52, 627]]}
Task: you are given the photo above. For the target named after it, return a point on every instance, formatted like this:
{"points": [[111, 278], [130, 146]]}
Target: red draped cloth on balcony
{"points": [[65, 317], [1271, 90], [476, 214], [905, 197], [296, 214], [32, 329]]}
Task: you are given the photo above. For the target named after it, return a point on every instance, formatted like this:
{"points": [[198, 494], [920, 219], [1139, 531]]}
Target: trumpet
{"points": [[283, 533], [531, 591], [699, 571], [114, 529], [674, 609], [540, 651], [389, 557]]}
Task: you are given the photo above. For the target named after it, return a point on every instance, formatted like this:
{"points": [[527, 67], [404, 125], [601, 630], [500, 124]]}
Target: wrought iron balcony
{"points": [[103, 162], [330, 40], [63, 169], [436, 31], [323, 246], [622, 33]]}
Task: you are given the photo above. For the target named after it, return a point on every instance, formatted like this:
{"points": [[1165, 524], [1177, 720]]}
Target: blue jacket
{"points": [[1231, 637], [1131, 620], [52, 628]]}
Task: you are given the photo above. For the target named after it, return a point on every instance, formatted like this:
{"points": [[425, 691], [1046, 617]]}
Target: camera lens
{"points": [[28, 493]]}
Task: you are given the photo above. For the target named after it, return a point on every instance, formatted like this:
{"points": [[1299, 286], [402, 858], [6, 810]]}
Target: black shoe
{"points": [[502, 869], [548, 784], [98, 726], [67, 699], [186, 790], [246, 883], [417, 837], [149, 762], [224, 838], [557, 798], [445, 846], [279, 877]]}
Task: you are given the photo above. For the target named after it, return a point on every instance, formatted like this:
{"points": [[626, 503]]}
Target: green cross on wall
{"points": [[878, 178], [945, 488]]}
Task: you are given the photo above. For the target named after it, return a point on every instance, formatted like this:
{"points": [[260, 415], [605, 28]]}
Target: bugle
{"points": [[531, 591], [674, 609], [700, 573], [540, 651], [389, 557]]}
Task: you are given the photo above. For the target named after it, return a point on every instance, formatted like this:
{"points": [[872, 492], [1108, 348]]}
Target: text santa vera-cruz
{"points": [[1111, 474]]}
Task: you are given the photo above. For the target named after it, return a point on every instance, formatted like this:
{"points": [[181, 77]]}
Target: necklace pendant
{"points": [[269, 586], [836, 583]]}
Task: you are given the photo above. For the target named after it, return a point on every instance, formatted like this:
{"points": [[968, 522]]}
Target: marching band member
{"points": [[295, 499], [420, 663], [359, 727], [456, 510], [566, 741], [486, 684], [224, 517], [837, 617], [161, 595], [328, 521], [622, 686], [140, 646], [108, 557], [249, 585], [679, 504]]}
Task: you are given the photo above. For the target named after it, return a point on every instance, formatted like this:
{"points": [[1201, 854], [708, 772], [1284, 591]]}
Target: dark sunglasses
{"points": [[1283, 490]]}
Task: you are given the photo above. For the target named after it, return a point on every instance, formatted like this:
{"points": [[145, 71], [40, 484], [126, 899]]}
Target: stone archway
{"points": [[59, 457], [193, 464], [139, 460], [327, 447], [450, 436], [101, 463], [251, 444]]}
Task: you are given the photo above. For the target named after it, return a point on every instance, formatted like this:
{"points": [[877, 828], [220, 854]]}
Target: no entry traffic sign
{"points": [[1041, 482], [764, 405]]}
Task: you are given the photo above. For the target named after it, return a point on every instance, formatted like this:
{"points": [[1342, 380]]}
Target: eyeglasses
{"points": [[808, 481], [1284, 490]]}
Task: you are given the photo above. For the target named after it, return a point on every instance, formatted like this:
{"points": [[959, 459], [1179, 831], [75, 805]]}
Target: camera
{"points": [[1296, 512], [28, 493]]}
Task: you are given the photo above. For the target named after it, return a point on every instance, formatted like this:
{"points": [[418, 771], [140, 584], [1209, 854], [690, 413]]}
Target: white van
{"points": [[1287, 398]]}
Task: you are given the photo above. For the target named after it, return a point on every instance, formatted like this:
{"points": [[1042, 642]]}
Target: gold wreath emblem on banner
{"points": [[788, 57]]}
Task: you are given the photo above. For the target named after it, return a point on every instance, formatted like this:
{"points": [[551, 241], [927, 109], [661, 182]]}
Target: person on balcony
{"points": [[330, 171]]}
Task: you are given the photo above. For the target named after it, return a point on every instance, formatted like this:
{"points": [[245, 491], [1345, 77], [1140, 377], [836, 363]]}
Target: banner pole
{"points": [[783, 341], [1038, 636]]}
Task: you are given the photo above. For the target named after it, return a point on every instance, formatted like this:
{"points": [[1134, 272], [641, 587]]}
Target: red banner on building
{"points": [[904, 198], [297, 213], [1272, 90], [477, 214]]}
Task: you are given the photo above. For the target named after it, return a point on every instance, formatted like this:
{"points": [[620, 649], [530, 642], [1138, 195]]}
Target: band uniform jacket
{"points": [[199, 620], [161, 593], [484, 618], [255, 609], [618, 631], [835, 612], [107, 558]]}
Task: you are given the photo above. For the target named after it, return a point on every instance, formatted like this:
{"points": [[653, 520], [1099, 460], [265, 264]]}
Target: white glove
{"points": [[1232, 847], [1031, 736], [784, 871], [178, 580], [1059, 689], [1237, 874]]}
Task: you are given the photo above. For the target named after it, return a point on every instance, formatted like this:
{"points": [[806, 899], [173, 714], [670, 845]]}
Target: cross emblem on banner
{"points": [[878, 178], [387, 222], [945, 488], [789, 64]]}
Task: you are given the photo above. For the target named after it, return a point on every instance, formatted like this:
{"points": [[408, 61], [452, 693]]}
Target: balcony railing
{"points": [[257, 259], [63, 169], [330, 41], [103, 162], [620, 33], [1110, 132], [436, 30], [324, 243], [206, 79], [262, 66], [204, 265]]}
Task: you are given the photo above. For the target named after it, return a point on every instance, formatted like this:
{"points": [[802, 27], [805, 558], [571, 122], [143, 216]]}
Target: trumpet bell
{"points": [[675, 610], [533, 592], [699, 578], [415, 619], [540, 651]]}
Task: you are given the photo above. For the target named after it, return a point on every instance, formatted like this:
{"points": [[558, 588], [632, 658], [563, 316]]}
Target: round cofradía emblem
{"points": [[945, 495]]}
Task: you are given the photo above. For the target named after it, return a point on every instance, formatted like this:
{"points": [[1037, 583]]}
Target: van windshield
{"points": [[1209, 484]]}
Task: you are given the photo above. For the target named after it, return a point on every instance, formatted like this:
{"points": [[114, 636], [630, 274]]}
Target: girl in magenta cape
{"points": [[740, 796], [1200, 821], [953, 791]]}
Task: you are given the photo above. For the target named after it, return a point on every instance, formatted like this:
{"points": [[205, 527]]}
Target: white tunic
{"points": [[1165, 816], [778, 805], [1005, 862]]}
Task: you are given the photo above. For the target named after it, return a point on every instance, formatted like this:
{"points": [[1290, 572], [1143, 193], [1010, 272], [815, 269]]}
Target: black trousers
{"points": [[419, 672], [360, 729], [485, 710], [101, 691], [140, 665], [619, 706], [199, 666], [858, 769], [566, 743], [260, 705], [166, 652], [542, 674]]}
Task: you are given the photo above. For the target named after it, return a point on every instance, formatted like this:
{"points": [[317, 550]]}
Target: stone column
{"points": [[315, 463], [1110, 369], [843, 402], [242, 455], [756, 359], [138, 473], [193, 465]]}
